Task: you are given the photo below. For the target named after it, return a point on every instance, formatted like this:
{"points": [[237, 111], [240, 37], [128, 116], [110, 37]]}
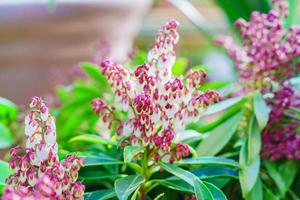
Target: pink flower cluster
{"points": [[280, 137], [267, 51], [266, 61], [39, 174], [159, 106]]}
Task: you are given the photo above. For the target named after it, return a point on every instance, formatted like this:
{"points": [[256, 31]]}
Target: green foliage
{"points": [[4, 173], [8, 115], [125, 186]]}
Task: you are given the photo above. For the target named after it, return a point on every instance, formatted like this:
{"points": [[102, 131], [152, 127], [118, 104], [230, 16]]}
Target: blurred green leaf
{"points": [[100, 195], [6, 137], [180, 66], [100, 159], [254, 140], [131, 151], [268, 194], [249, 172], [257, 191], [125, 186], [261, 110], [5, 171], [219, 136], [93, 71], [222, 105], [8, 110], [282, 174], [92, 139], [217, 161]]}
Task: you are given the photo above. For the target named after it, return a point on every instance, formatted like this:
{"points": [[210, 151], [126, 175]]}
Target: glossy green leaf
{"points": [[219, 161], [135, 194], [180, 66], [6, 137], [219, 136], [124, 187], [100, 159], [249, 172], [100, 195], [94, 72], [222, 105], [200, 190], [216, 192], [261, 110], [5, 171], [212, 172], [257, 191], [97, 175], [254, 140], [176, 184], [91, 139], [131, 151]]}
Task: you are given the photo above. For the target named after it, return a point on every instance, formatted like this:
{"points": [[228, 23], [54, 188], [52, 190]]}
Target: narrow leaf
{"points": [[254, 140], [200, 190], [222, 105], [249, 172], [91, 139], [100, 159], [257, 192], [261, 110], [131, 151], [100, 195], [216, 192], [219, 161], [125, 186], [219, 136]]}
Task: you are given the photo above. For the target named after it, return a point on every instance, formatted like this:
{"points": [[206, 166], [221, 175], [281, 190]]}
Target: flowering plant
{"points": [[39, 174], [265, 111], [158, 107]]}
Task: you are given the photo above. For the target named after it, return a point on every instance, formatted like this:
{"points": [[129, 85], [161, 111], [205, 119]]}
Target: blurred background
{"points": [[42, 40]]}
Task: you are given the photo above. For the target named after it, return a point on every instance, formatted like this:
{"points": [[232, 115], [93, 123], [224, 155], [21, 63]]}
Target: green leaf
{"points": [[284, 176], [219, 161], [268, 194], [131, 151], [100, 195], [97, 175], [200, 190], [254, 140], [219, 136], [5, 172], [6, 137], [94, 72], [125, 186], [216, 192], [8, 110], [176, 184], [180, 66], [100, 159], [134, 196], [159, 196], [261, 110], [212, 172], [257, 191], [249, 172], [288, 170], [92, 139], [222, 105]]}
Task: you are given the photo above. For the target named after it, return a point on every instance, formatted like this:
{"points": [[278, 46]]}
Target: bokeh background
{"points": [[42, 40]]}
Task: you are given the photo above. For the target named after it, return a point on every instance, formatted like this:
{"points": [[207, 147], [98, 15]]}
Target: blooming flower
{"points": [[266, 61], [159, 105], [39, 174], [267, 51]]}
